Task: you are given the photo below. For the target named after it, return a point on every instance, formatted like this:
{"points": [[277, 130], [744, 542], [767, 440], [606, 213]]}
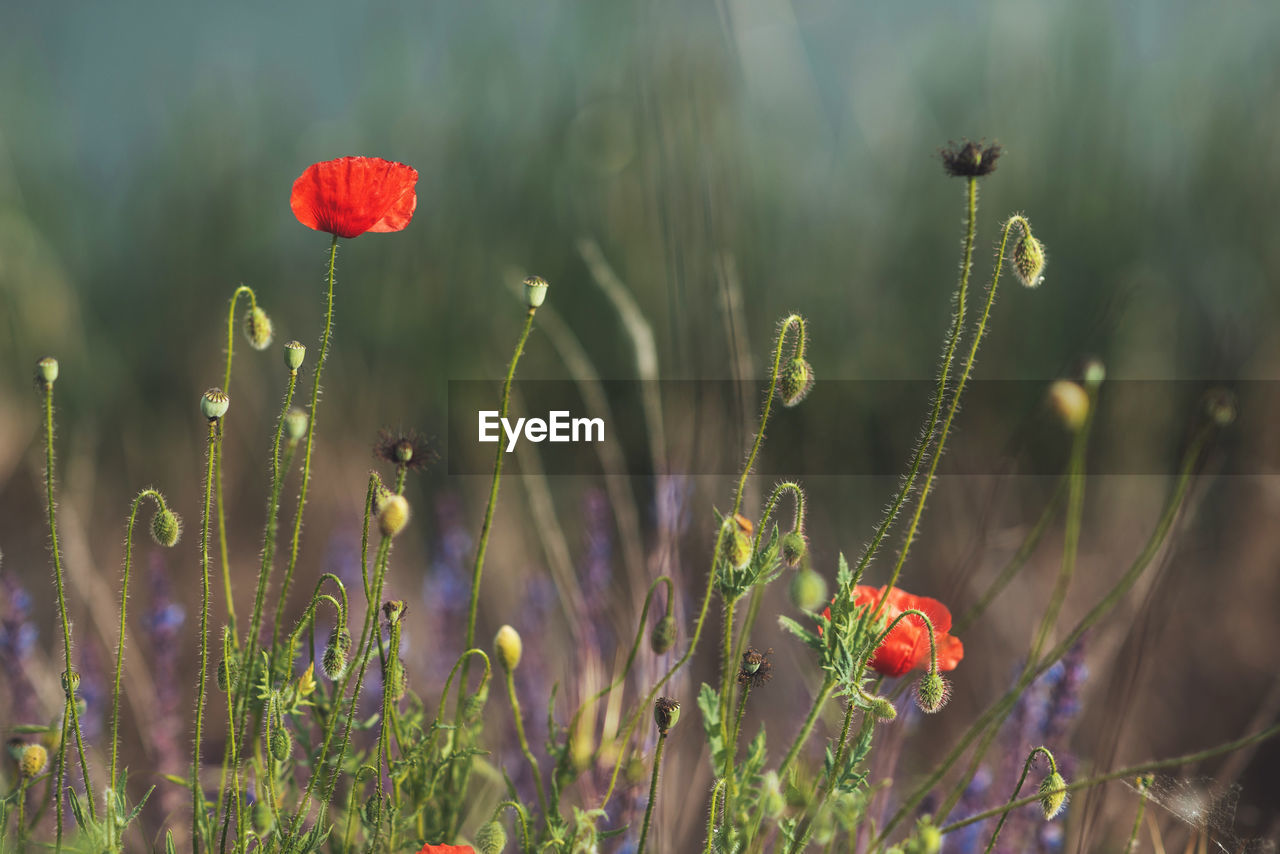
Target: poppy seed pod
{"points": [[47, 371], [393, 514], [214, 404], [932, 692], [491, 838], [1028, 260], [663, 636], [535, 291], [294, 353], [1052, 796], [666, 714], [508, 647], [969, 159], [258, 330], [32, 760], [795, 382], [295, 423], [1070, 403], [166, 527]]}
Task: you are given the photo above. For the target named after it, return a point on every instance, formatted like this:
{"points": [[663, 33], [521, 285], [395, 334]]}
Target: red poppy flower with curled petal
{"points": [[447, 849], [352, 195], [907, 646]]}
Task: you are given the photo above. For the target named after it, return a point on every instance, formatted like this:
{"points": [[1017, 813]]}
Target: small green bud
{"points": [[1220, 406], [214, 404], [508, 647], [336, 651], [1070, 403], [473, 706], [535, 291], [793, 548], [1094, 373], [808, 590], [294, 353], [795, 382], [295, 423], [393, 514], [228, 673], [1028, 260], [281, 743], [737, 548], [1052, 798], [491, 838], [663, 636], [666, 714], [47, 371], [258, 329], [926, 840], [882, 709], [70, 682], [33, 758], [932, 692], [166, 527], [372, 807]]}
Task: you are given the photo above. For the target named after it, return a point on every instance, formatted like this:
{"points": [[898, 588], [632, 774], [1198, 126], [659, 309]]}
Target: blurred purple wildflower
{"points": [[17, 638], [164, 621]]}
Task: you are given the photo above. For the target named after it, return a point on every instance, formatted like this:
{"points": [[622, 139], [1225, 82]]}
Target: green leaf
{"points": [[709, 704]]}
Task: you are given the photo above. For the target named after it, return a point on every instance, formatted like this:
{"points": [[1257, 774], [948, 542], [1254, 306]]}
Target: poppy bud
{"points": [[793, 548], [294, 353], [882, 709], [372, 807], [46, 371], [795, 382], [663, 636], [393, 610], [491, 838], [281, 743], [228, 674], [1094, 373], [1220, 406], [473, 706], [393, 514], [396, 681], [1028, 260], [33, 758], [808, 590], [737, 550], [214, 404], [1070, 403], [926, 840], [509, 647], [263, 819], [932, 692], [1052, 796], [258, 329], [70, 682], [334, 661], [666, 713], [166, 527], [535, 291], [295, 423]]}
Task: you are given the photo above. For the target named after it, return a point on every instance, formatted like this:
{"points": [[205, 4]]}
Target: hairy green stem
{"points": [[524, 742], [226, 388], [653, 792], [197, 796], [1026, 769]]}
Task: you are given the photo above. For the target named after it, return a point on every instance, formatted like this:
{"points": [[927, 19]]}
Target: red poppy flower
{"points": [[352, 195], [907, 646], [447, 849]]}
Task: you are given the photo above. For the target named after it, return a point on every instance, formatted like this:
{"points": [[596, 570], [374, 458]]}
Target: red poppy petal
{"points": [[950, 652], [352, 195], [400, 213], [447, 849]]}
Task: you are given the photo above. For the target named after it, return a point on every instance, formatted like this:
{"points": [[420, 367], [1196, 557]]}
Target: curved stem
{"points": [[226, 387], [197, 796], [787, 323], [524, 743], [653, 792], [757, 592], [524, 825], [1026, 769]]}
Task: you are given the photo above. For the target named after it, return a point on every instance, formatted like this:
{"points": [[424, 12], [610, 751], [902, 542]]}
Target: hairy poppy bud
{"points": [[214, 404], [1028, 260], [228, 673], [393, 514], [47, 371], [666, 713], [295, 423], [264, 821], [473, 706], [166, 527], [334, 661], [1070, 403], [70, 682], [294, 353], [808, 590], [281, 743], [932, 692], [258, 329], [1220, 406], [663, 636], [737, 549], [491, 838], [882, 709], [33, 758], [509, 647], [372, 808], [535, 291], [793, 548], [1052, 796], [795, 382]]}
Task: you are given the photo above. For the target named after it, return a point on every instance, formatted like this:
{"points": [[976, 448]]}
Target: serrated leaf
{"points": [[809, 638]]}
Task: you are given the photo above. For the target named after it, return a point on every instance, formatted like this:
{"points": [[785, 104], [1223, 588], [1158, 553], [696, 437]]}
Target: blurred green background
{"points": [[786, 151]]}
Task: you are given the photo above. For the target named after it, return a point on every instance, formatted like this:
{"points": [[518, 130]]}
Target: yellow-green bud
{"points": [[663, 636], [808, 590], [491, 838], [33, 759], [264, 821], [508, 647], [334, 661], [932, 692], [1220, 406], [1094, 373], [47, 371], [737, 549], [535, 291], [1028, 260], [294, 353], [258, 329], [393, 514], [1070, 403], [70, 682], [795, 382], [281, 743], [666, 714], [214, 404], [793, 548], [882, 709], [926, 840], [166, 527], [1052, 798], [295, 423]]}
